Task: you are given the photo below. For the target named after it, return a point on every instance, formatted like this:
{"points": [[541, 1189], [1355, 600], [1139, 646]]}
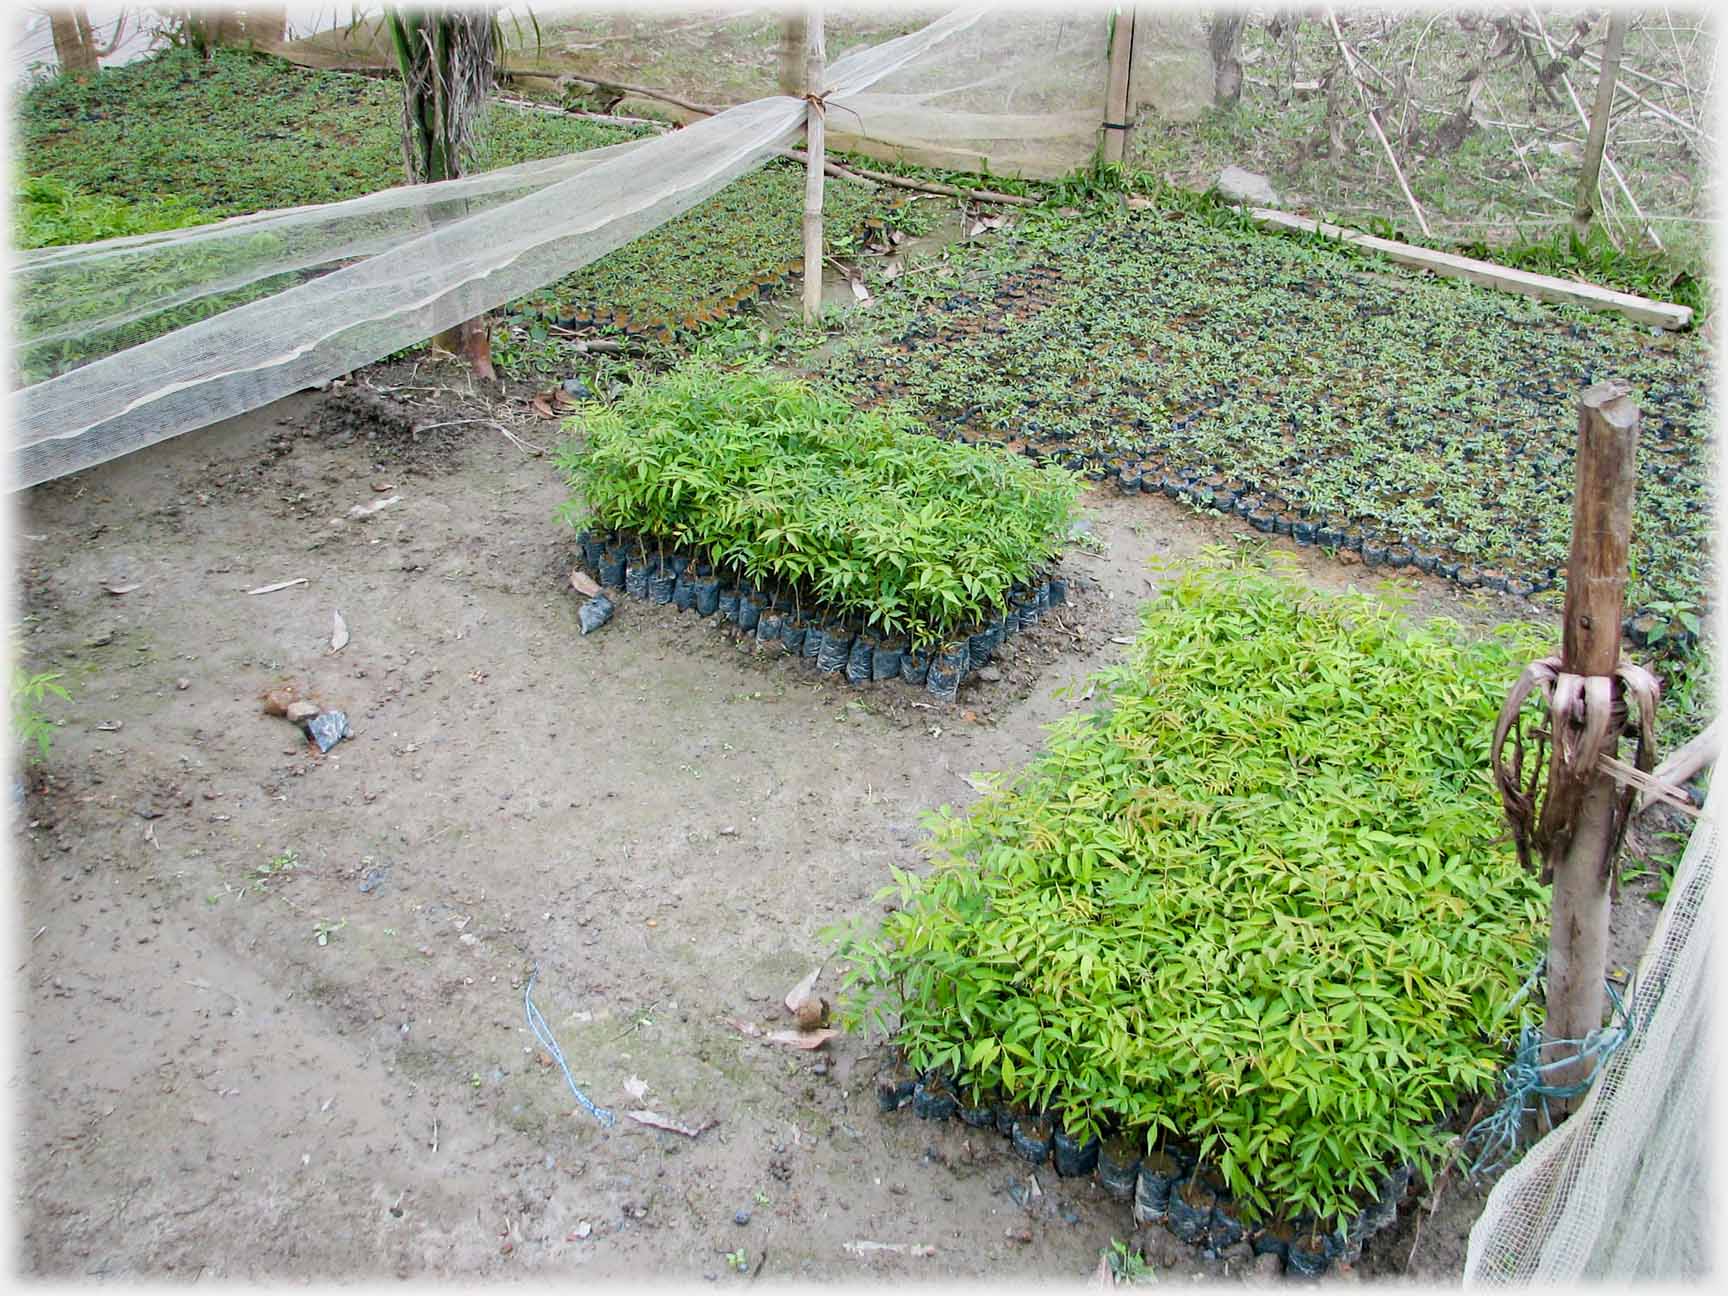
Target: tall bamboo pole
{"points": [[1590, 177], [792, 38], [1595, 602], [814, 61], [1116, 99]]}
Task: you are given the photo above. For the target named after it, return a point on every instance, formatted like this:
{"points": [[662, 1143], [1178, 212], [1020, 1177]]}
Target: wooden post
{"points": [[814, 61], [1116, 99], [1595, 602], [1590, 178]]}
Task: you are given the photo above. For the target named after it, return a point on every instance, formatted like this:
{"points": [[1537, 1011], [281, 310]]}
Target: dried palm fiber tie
{"points": [[1585, 715]]}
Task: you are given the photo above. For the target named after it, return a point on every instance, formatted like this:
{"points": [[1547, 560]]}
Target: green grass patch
{"points": [[785, 485], [1259, 907]]}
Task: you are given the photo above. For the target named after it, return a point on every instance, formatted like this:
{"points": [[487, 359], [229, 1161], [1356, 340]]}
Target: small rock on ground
{"points": [[1246, 186]]}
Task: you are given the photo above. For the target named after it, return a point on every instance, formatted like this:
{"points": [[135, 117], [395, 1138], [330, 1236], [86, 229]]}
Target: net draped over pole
{"points": [[418, 260]]}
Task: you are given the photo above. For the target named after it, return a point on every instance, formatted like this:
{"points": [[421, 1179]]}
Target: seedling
{"points": [[1232, 909], [324, 932], [1127, 1264]]}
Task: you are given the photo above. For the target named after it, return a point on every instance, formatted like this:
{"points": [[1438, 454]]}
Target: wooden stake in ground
{"points": [[1557, 780], [1116, 99], [814, 63], [1582, 861], [1590, 178]]}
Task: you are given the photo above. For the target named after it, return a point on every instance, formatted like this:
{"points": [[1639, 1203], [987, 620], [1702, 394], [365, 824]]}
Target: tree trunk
{"points": [[1583, 864], [1590, 177], [73, 49], [438, 110], [815, 59], [1223, 36]]}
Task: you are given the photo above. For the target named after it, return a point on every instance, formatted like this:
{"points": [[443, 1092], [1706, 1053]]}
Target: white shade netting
{"points": [[1622, 1189], [391, 269]]}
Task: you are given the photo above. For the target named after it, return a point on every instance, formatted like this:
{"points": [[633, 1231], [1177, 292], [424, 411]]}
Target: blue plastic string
{"points": [[543, 1033], [1525, 1090]]}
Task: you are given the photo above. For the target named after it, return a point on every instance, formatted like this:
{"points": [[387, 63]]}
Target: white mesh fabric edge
{"points": [[416, 287], [1622, 1189]]}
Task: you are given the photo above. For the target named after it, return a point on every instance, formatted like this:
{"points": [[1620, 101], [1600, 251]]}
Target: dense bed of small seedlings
{"points": [[845, 514], [1258, 917], [1421, 422]]}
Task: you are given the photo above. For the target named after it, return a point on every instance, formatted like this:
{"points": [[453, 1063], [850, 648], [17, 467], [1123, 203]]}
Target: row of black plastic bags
{"points": [[835, 645]]}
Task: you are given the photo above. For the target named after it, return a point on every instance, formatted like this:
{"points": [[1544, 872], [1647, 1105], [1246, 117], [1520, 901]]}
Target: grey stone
{"points": [[301, 713], [1246, 186]]}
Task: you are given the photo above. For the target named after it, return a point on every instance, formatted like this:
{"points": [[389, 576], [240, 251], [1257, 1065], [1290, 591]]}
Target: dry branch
{"points": [[1374, 122]]}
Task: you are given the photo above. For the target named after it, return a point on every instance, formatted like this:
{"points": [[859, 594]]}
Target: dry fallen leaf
{"points": [[979, 782], [798, 993], [636, 1087], [124, 589], [583, 583], [747, 1028], [338, 633], [658, 1121], [540, 407], [563, 399], [802, 1039]]}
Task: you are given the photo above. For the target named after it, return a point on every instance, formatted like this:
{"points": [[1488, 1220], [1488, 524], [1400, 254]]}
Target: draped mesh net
{"points": [[292, 299], [1621, 1190]]}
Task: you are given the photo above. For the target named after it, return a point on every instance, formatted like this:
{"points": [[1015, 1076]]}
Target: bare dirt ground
{"points": [[657, 822]]}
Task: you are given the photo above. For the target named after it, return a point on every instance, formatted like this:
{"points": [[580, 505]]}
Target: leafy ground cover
{"points": [[1258, 918], [852, 514], [240, 133], [48, 213], [1317, 393]]}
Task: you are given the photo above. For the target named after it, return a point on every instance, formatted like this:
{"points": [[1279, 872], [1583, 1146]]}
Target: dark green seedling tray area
{"points": [[1316, 393], [741, 245]]}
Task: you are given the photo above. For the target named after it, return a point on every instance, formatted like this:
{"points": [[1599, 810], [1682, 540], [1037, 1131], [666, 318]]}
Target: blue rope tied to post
{"points": [[543, 1033], [1499, 1132]]}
